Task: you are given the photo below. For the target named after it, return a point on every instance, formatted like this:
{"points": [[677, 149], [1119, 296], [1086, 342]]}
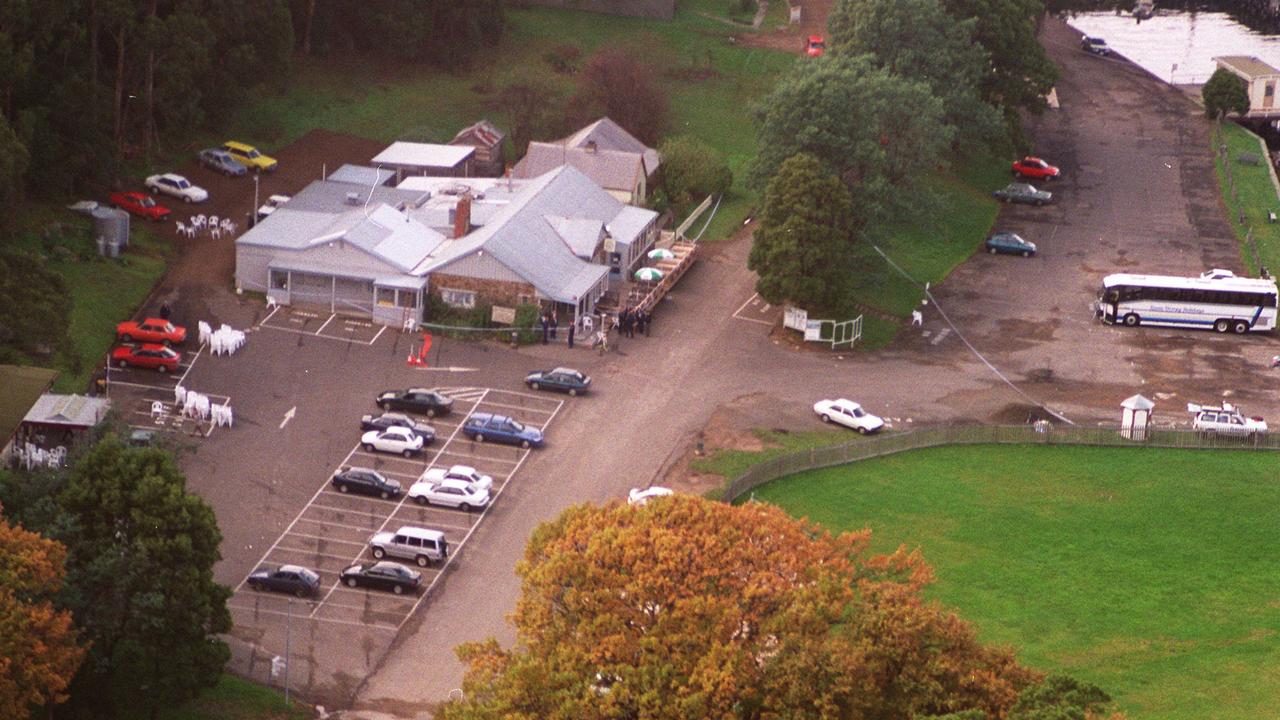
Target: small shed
{"points": [[1135, 417], [411, 158], [1261, 79], [60, 419], [490, 144]]}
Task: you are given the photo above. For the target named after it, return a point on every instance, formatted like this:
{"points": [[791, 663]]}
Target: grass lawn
{"points": [[729, 464], [1149, 572], [236, 699], [1255, 195]]}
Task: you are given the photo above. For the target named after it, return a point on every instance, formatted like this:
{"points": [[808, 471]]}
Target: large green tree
{"points": [[140, 582], [875, 129], [918, 40], [691, 170], [689, 608], [1225, 92], [804, 249]]}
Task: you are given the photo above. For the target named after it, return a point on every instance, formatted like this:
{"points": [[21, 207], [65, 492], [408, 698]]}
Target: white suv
{"points": [[411, 543], [1225, 420]]}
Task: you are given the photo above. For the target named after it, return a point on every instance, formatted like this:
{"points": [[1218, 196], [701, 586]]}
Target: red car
{"points": [[151, 330], [146, 356], [1034, 167], [140, 204], [815, 46]]}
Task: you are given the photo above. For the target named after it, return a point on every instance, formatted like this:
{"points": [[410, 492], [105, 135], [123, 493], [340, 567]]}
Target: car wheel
{"points": [[384, 495], [524, 444], [1241, 327], [533, 386], [126, 338], [407, 453], [379, 553], [431, 412], [826, 418], [186, 199], [1132, 320], [300, 592], [343, 489], [1026, 253], [368, 448], [397, 589], [478, 438], [422, 500], [1222, 325], [573, 392], [991, 250], [422, 560], [469, 508], [1039, 203], [862, 431], [162, 369], [255, 586], [122, 363], [166, 343], [351, 582]]}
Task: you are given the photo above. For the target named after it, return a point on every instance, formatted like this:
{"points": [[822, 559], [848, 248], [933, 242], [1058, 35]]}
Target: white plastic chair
{"points": [[213, 221], [228, 227], [272, 303], [182, 228], [179, 395], [157, 410], [205, 332], [215, 232]]}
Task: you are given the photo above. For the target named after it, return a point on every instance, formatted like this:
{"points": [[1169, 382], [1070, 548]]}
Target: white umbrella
{"points": [[661, 254], [649, 274]]}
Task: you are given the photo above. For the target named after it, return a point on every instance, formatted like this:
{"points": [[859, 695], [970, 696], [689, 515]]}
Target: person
{"points": [[554, 324], [571, 327], [164, 311], [642, 322], [917, 318], [544, 329], [648, 322], [627, 320]]}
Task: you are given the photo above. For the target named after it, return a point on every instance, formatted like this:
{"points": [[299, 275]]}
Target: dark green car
{"points": [[1010, 244], [562, 379], [1022, 193]]}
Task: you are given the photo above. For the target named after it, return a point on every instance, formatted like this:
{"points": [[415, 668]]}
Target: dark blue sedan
{"points": [[562, 379], [1010, 244], [500, 428]]}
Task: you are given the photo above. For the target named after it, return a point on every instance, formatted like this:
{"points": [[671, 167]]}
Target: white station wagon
{"points": [[849, 414], [177, 186]]}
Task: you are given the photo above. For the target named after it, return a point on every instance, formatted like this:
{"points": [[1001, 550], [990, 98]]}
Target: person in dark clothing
{"points": [[648, 322], [626, 322], [571, 327], [164, 311], [545, 325], [642, 322], [554, 323]]}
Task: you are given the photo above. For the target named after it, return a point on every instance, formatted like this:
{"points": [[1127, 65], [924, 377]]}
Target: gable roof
{"points": [[1247, 67], [609, 135], [610, 169], [361, 175], [582, 235], [72, 410], [482, 131]]}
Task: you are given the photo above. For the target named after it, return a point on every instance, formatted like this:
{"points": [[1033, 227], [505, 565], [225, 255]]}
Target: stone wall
{"points": [[655, 9], [488, 292]]}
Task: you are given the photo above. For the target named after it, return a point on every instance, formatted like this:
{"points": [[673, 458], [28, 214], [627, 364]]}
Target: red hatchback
{"points": [[815, 46], [151, 330], [140, 204], [146, 356], [1035, 168]]}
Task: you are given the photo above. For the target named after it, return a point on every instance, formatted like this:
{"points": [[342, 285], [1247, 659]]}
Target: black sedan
{"points": [[389, 420], [1010, 243], [415, 400], [365, 482], [383, 575], [562, 379], [292, 579], [1022, 193]]}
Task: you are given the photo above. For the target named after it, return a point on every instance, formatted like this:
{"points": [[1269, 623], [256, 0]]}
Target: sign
{"points": [[277, 666], [813, 330], [504, 315], [794, 318]]}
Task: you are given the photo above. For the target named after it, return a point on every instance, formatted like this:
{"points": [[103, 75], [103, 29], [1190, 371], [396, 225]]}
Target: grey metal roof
{"points": [[361, 175], [582, 235], [411, 154], [629, 223], [609, 135], [1247, 66], [610, 169], [72, 410], [330, 196]]}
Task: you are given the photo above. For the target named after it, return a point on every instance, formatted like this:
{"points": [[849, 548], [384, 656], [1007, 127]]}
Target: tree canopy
{"points": [[1225, 92], [690, 608], [622, 83], [691, 170]]}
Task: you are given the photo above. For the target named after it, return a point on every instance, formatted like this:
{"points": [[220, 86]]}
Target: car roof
{"points": [[295, 568], [846, 402], [454, 482], [420, 390], [238, 145], [567, 370], [464, 469], [482, 417], [420, 532], [152, 346], [173, 176]]}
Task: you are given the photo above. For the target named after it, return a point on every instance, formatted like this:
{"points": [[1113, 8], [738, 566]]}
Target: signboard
{"points": [[794, 318], [504, 315], [813, 330]]}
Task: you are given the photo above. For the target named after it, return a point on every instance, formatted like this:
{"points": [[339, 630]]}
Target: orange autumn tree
{"points": [[38, 650], [688, 608]]}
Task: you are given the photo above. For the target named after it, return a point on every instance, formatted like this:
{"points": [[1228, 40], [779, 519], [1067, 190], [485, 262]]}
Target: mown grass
{"points": [[1148, 572], [729, 464], [1254, 195], [236, 699]]}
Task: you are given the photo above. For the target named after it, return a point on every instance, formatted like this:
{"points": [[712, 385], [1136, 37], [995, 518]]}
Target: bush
{"points": [[691, 170], [564, 59]]}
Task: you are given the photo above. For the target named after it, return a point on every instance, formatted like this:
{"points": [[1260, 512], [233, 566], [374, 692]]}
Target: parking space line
{"points": [[374, 625], [191, 365], [541, 397], [275, 309], [357, 591], [312, 552], [342, 510], [327, 539], [331, 523], [485, 458], [488, 403], [380, 331], [326, 323]]}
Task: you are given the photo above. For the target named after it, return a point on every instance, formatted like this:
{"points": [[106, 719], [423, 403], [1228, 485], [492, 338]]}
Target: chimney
{"points": [[462, 217], [590, 146]]}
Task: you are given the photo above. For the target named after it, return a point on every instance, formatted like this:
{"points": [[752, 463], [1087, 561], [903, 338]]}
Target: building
{"points": [[1261, 80], [410, 158], [612, 157], [490, 144], [62, 419], [376, 251]]}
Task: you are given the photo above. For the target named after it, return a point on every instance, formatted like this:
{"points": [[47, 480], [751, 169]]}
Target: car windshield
{"points": [[308, 575], [515, 425], [168, 353], [858, 412], [147, 202], [168, 327], [180, 183], [251, 153]]}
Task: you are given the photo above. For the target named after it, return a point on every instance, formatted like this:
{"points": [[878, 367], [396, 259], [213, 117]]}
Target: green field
{"points": [[1149, 572], [236, 699], [1254, 196]]}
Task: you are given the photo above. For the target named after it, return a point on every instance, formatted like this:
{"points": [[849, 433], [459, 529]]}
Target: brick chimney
{"points": [[462, 217]]}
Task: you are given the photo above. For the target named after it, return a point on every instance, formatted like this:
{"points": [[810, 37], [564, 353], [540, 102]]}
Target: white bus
{"points": [[1217, 300]]}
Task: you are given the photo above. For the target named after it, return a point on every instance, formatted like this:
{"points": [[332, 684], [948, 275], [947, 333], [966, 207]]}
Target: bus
{"points": [[1217, 299]]}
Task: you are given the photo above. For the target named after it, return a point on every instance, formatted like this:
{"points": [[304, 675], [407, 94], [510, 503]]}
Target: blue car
{"points": [[221, 161], [1010, 243], [500, 428]]}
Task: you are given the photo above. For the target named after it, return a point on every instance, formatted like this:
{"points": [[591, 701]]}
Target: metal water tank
{"points": [[112, 225]]}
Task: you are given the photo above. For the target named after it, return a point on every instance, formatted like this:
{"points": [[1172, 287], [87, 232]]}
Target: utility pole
{"points": [[288, 623], [253, 212]]}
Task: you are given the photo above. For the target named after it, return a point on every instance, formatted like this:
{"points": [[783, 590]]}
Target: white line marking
{"points": [[275, 309], [491, 403], [326, 323], [193, 364], [311, 334], [345, 510], [327, 538], [753, 320], [330, 523], [745, 304], [374, 625], [312, 552], [375, 337], [288, 416]]}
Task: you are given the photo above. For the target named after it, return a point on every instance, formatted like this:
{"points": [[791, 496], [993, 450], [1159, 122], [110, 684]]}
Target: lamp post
{"points": [[253, 212]]}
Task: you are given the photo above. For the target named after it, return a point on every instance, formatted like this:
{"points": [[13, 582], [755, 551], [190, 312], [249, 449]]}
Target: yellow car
{"points": [[249, 156]]}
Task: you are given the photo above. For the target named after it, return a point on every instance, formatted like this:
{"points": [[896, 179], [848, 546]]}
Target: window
{"points": [[458, 298], [386, 297], [279, 280], [407, 299]]}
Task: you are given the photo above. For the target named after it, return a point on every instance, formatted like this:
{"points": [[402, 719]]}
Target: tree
{"points": [[918, 40], [1059, 697], [35, 309], [1225, 92], [691, 170], [618, 82], [875, 129], [688, 608], [140, 582], [13, 164], [535, 106], [38, 649], [803, 248]]}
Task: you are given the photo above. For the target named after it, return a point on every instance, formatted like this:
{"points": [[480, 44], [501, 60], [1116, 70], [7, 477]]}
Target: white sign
{"points": [[504, 315], [794, 318], [813, 330]]}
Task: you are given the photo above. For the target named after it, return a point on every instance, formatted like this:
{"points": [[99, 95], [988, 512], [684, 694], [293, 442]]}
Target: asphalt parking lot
{"points": [[146, 398], [321, 324]]}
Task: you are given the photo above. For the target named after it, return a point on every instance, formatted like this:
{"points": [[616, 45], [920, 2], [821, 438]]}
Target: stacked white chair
{"points": [[227, 226], [205, 332], [179, 395], [213, 221], [222, 415], [226, 340]]}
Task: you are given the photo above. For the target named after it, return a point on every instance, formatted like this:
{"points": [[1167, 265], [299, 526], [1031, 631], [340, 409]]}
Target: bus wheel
{"points": [[1222, 325], [1131, 320], [1241, 327]]}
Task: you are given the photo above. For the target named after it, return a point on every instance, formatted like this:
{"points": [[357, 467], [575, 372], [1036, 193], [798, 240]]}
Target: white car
{"points": [[398, 440], [640, 496], [847, 413], [464, 473], [449, 493], [271, 204], [177, 186], [1225, 420]]}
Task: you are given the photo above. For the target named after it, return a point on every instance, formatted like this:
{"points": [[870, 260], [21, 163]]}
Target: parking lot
{"points": [[333, 529], [147, 398], [322, 324]]}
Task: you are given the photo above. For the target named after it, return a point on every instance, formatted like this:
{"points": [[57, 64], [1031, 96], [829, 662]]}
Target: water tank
{"points": [[113, 248], [112, 225]]}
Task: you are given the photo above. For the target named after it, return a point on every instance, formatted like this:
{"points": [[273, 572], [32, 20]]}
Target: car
{"points": [[1095, 45], [1022, 193], [153, 356], [390, 420], [220, 160], [249, 156], [1225, 419], [398, 440], [365, 481], [847, 413], [140, 204], [292, 579], [500, 428], [420, 545], [1035, 168], [385, 575], [562, 378], [1216, 274], [449, 493], [151, 330], [815, 46], [177, 186], [641, 496], [415, 400], [271, 204], [1010, 243], [463, 473]]}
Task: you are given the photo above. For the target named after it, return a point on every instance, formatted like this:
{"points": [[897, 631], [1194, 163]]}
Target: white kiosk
{"points": [[1135, 417]]}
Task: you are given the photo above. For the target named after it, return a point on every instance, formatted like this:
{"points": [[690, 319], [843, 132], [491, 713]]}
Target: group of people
{"points": [[628, 322], [633, 320]]}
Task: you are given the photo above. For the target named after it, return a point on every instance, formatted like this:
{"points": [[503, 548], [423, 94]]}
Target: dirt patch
{"points": [[813, 21], [731, 427]]}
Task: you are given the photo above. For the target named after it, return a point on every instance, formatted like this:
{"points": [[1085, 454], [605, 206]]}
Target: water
{"points": [[1176, 46]]}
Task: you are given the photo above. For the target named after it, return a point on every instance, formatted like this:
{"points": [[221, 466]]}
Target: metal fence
{"points": [[890, 443]]}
